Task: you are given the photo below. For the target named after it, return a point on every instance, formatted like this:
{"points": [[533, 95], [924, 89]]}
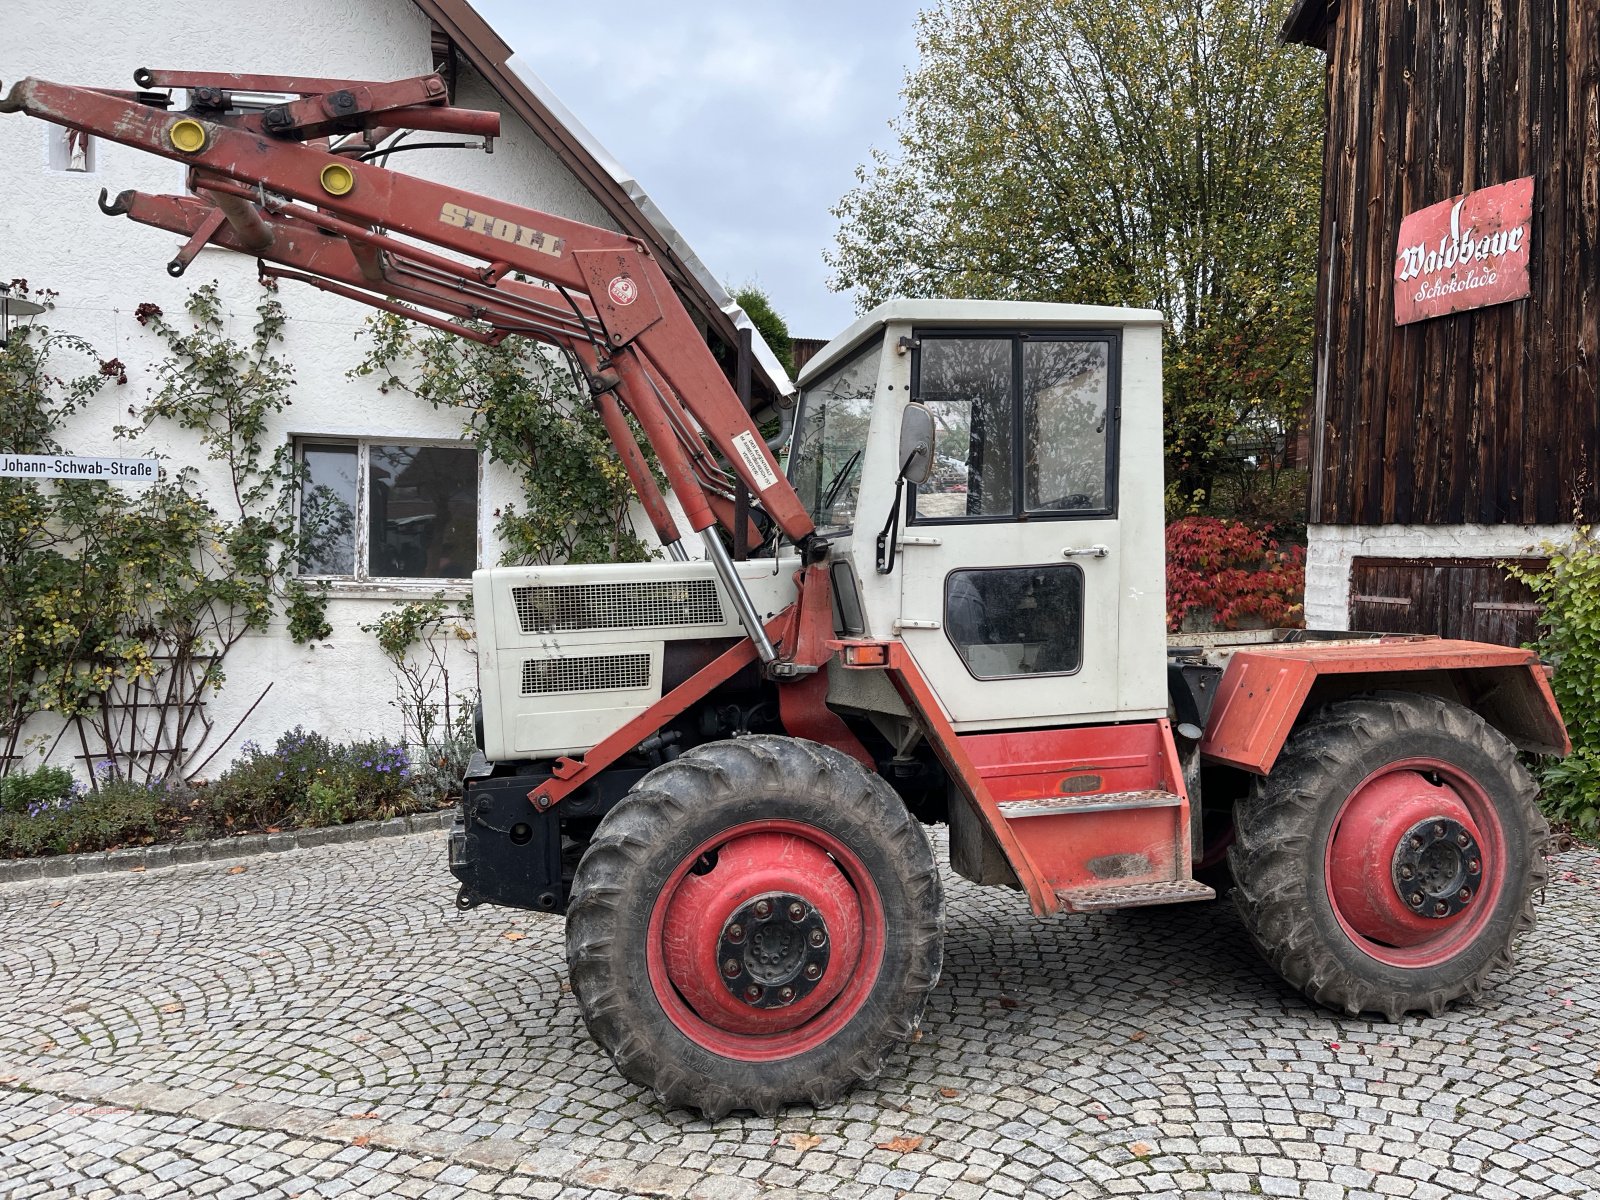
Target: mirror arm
{"points": [[889, 535]]}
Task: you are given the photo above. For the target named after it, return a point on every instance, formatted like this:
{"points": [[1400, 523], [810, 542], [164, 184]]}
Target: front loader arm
{"points": [[381, 236]]}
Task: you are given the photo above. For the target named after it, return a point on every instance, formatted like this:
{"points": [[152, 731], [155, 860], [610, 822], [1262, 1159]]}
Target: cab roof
{"points": [[964, 313]]}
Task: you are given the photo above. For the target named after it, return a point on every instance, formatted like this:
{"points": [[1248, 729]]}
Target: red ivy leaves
{"points": [[1235, 571]]}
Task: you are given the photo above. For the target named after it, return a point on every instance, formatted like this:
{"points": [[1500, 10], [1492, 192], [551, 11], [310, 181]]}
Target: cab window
{"points": [[830, 438], [1011, 621], [1025, 424]]}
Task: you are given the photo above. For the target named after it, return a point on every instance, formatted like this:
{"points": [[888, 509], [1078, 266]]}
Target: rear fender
{"points": [[1265, 691]]}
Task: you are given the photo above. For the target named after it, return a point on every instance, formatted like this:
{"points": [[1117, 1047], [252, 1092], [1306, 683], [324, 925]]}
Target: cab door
{"points": [[1009, 557]]}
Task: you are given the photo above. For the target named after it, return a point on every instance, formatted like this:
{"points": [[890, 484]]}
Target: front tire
{"points": [[1388, 861], [755, 924]]}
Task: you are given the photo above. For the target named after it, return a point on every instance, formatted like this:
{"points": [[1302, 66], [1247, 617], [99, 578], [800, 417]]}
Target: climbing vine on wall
{"points": [[525, 411], [118, 606]]}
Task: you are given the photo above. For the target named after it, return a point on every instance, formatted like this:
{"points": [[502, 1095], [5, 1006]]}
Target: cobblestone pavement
{"points": [[325, 1022]]}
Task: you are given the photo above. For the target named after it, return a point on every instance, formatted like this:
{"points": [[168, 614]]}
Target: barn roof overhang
{"points": [[622, 197], [1309, 22]]}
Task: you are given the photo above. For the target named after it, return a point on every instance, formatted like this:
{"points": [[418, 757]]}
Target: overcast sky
{"points": [[744, 121]]}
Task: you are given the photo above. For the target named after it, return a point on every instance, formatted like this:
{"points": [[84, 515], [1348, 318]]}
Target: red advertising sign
{"points": [[1468, 252]]}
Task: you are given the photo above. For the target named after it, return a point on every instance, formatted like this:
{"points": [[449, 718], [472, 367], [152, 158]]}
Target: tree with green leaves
{"points": [[774, 330], [1162, 153]]}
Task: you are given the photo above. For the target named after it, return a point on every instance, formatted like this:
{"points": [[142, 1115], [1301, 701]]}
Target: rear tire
{"points": [[714, 1004], [1389, 860]]}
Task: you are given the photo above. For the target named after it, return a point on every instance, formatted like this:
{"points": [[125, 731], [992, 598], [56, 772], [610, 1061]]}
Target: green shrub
{"points": [[304, 780], [1568, 592], [308, 780], [21, 791], [119, 813]]}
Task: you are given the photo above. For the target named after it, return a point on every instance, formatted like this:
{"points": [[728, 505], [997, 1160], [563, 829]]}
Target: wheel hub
{"points": [[1437, 867], [1407, 862], [763, 934], [774, 950]]}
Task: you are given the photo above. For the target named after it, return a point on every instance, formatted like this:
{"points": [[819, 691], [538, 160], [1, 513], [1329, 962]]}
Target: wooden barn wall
{"points": [[1482, 417]]}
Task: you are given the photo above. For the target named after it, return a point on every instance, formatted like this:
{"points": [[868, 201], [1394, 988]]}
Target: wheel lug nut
{"points": [[817, 937], [1406, 872], [736, 933], [813, 971], [752, 993], [1474, 866], [1440, 909], [1439, 830], [1416, 843], [797, 911], [1416, 899], [1464, 895], [786, 994], [1462, 839], [763, 908], [730, 967]]}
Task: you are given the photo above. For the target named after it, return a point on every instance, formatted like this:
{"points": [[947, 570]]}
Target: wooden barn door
{"points": [[1469, 598]]}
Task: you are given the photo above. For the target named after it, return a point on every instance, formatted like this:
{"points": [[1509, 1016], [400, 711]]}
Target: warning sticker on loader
{"points": [[750, 450]]}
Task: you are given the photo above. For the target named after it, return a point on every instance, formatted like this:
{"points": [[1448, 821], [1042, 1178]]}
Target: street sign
{"points": [[71, 466]]}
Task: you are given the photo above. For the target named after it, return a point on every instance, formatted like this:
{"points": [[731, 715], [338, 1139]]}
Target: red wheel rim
{"points": [[1367, 867], [725, 876]]}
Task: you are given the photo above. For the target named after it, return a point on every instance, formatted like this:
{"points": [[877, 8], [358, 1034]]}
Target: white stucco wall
{"points": [[1330, 550], [53, 235]]}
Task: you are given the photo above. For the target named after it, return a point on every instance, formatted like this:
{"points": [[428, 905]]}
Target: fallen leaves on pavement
{"points": [[900, 1145]]}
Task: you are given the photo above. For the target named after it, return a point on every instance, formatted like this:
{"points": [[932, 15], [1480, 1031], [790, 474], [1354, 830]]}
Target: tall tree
{"points": [[1162, 153]]}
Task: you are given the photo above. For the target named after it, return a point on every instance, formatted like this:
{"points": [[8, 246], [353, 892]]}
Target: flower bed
{"points": [[303, 781]]}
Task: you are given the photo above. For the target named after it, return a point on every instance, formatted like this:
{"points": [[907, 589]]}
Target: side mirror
{"points": [[916, 443]]}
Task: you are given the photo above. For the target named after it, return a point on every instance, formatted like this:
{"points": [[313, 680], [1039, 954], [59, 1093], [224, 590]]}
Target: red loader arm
{"points": [[273, 184]]}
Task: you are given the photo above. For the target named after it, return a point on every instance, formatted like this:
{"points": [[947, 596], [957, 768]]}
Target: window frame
{"points": [[1083, 604], [1018, 338], [361, 578]]}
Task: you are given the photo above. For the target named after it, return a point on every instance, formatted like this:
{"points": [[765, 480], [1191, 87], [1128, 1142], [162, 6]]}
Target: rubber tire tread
{"points": [[1284, 824], [648, 834]]}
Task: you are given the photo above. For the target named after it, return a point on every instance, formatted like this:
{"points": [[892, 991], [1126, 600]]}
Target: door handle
{"points": [[1095, 551]]}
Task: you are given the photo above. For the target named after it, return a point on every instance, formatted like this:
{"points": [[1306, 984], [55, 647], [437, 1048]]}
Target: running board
{"points": [[1054, 806], [1133, 895]]}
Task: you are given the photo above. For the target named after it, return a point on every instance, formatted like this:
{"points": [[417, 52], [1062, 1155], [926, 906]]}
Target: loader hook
{"points": [[118, 207], [13, 101]]}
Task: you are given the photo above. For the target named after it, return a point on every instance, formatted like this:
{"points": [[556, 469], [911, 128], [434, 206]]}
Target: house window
{"points": [[388, 510]]}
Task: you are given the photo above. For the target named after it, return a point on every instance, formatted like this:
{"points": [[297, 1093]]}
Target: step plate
{"points": [[1053, 806], [1133, 895]]}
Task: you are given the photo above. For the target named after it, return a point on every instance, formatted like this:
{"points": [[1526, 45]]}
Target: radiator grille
{"points": [[595, 673], [546, 609]]}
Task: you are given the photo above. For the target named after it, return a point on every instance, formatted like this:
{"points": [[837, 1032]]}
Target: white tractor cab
{"points": [[1026, 573]]}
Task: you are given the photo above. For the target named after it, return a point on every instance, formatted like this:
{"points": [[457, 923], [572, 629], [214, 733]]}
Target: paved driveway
{"points": [[323, 1022]]}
